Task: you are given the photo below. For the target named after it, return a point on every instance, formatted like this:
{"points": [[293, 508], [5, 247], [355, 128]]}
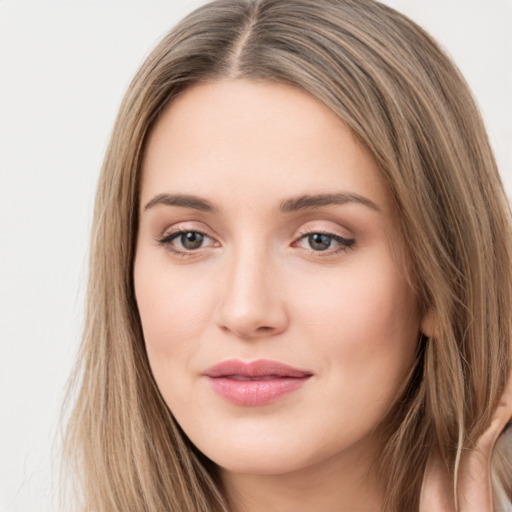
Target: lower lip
{"points": [[255, 392]]}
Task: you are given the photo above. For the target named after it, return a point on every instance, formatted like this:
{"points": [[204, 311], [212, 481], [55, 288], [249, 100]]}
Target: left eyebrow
{"points": [[317, 201]]}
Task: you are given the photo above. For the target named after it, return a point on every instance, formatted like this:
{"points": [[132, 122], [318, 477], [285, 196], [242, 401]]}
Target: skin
{"points": [[255, 288], [474, 492]]}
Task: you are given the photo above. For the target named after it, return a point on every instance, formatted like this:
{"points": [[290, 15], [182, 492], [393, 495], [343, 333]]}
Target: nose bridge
{"points": [[251, 304]]}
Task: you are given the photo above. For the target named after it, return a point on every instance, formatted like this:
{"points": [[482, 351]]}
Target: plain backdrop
{"points": [[64, 65]]}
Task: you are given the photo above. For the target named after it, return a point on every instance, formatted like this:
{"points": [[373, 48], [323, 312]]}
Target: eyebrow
{"points": [[303, 202], [185, 201], [319, 200]]}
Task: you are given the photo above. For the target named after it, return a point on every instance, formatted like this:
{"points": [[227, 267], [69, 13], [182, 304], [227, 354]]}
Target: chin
{"points": [[263, 464], [261, 454], [265, 453]]}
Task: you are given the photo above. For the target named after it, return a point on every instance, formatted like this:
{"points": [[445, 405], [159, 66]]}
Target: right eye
{"points": [[184, 242]]}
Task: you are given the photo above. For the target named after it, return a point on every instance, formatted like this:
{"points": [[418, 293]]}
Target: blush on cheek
{"points": [[168, 307], [362, 322]]}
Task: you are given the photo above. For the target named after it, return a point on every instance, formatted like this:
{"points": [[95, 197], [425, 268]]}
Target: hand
{"points": [[475, 488]]}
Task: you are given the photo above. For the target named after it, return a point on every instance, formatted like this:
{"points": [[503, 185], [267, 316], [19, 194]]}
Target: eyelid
{"points": [[325, 228], [184, 227]]}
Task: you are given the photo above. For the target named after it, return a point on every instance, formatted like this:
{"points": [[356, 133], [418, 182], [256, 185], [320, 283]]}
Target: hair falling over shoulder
{"points": [[406, 101]]}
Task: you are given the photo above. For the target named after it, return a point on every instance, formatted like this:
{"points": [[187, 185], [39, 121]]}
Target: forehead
{"points": [[253, 141]]}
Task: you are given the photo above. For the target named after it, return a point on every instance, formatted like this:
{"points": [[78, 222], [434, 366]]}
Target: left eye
{"points": [[322, 242]]}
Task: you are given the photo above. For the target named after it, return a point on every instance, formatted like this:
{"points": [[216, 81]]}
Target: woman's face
{"points": [[277, 318]]}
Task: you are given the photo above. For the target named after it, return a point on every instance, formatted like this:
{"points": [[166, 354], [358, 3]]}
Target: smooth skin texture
{"points": [[229, 264], [256, 289]]}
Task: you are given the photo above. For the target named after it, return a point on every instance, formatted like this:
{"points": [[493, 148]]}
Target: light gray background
{"points": [[64, 66]]}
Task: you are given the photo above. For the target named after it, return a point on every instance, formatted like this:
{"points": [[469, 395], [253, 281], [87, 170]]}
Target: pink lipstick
{"points": [[258, 383]]}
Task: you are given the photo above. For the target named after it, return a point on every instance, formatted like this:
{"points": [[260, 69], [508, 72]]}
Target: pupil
{"points": [[319, 242], [192, 240]]}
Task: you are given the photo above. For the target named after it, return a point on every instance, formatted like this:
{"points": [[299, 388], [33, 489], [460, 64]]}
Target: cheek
{"points": [[365, 323], [174, 310]]}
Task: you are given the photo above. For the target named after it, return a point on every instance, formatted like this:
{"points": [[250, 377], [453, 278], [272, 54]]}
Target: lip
{"points": [[256, 383]]}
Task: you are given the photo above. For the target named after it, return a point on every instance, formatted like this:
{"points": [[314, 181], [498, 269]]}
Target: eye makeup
{"points": [[190, 242]]}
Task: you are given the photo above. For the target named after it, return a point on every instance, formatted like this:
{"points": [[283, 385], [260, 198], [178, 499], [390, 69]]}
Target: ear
{"points": [[429, 324]]}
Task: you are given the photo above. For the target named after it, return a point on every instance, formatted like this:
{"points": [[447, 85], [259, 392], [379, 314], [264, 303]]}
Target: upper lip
{"points": [[259, 368]]}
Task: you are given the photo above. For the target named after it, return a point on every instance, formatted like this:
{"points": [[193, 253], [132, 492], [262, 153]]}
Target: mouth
{"points": [[257, 383]]}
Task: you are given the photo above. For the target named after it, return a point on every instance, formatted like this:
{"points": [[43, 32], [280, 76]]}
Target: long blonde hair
{"points": [[406, 101]]}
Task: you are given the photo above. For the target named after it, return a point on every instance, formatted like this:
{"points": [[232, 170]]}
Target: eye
{"points": [[191, 240], [183, 242], [325, 242], [319, 241]]}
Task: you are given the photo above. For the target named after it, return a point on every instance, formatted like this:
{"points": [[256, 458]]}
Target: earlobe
{"points": [[429, 324]]}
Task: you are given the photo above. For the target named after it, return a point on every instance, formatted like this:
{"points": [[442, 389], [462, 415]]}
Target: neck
{"points": [[334, 485]]}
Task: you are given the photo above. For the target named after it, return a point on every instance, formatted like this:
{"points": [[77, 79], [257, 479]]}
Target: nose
{"points": [[252, 302]]}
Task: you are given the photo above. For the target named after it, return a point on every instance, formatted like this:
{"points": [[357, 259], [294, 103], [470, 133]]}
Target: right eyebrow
{"points": [[182, 200]]}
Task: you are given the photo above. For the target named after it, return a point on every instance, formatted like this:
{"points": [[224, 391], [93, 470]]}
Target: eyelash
{"points": [[167, 239], [345, 244]]}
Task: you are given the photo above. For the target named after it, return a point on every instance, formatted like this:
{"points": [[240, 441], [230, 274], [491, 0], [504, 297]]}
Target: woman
{"points": [[300, 274]]}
